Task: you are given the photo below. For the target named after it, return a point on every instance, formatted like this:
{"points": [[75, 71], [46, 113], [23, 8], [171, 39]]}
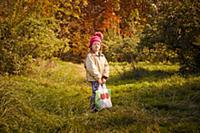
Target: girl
{"points": [[97, 68]]}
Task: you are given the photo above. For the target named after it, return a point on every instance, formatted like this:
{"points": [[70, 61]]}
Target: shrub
{"points": [[120, 49], [30, 39]]}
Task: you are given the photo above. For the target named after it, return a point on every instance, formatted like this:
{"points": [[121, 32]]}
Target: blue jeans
{"points": [[95, 86]]}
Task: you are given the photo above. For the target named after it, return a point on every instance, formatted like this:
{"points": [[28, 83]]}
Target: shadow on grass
{"points": [[140, 74], [173, 107]]}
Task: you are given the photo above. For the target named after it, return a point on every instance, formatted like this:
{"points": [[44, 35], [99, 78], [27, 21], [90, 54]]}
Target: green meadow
{"points": [[54, 98]]}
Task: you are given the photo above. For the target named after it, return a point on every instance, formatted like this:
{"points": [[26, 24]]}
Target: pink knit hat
{"points": [[97, 37], [94, 39]]}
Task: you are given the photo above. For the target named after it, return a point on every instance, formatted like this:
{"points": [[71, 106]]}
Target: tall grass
{"points": [[54, 97]]}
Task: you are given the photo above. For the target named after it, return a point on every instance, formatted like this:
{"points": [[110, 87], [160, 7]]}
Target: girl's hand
{"points": [[100, 81], [103, 80]]}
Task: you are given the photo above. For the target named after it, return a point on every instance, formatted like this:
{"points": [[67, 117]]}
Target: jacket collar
{"points": [[98, 55]]}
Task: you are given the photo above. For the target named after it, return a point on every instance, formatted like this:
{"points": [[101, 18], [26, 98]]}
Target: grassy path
{"points": [[54, 97]]}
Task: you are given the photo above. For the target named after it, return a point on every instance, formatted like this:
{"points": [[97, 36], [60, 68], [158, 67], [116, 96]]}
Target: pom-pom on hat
{"points": [[94, 39], [99, 34]]}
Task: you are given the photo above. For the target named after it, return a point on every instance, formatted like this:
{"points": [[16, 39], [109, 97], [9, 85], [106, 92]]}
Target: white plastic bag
{"points": [[103, 97]]}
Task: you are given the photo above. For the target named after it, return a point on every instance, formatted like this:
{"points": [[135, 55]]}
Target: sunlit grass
{"points": [[54, 97], [170, 98]]}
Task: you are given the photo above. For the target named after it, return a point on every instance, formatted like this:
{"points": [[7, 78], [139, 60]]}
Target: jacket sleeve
{"points": [[106, 68], [91, 68]]}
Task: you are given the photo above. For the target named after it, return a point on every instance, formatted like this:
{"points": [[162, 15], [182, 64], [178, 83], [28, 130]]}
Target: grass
{"points": [[54, 97]]}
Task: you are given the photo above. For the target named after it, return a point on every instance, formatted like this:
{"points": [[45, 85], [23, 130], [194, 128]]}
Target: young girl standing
{"points": [[97, 68]]}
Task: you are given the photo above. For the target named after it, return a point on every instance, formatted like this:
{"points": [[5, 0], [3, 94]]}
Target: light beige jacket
{"points": [[96, 67]]}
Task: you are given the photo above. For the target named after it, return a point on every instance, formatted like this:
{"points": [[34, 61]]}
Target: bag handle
{"points": [[102, 86]]}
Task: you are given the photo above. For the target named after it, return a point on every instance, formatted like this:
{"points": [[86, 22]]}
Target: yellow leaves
{"points": [[84, 2], [197, 41]]}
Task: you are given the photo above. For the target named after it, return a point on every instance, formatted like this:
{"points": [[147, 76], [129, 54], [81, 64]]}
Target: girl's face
{"points": [[96, 47]]}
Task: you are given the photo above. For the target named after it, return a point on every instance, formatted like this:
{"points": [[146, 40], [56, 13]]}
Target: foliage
{"points": [[170, 29], [27, 32], [157, 53], [181, 36], [70, 18], [38, 36], [10, 61], [112, 41], [100, 14], [95, 16], [119, 49], [176, 24], [133, 16], [29, 39]]}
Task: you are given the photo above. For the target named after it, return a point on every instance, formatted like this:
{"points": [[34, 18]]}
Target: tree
{"points": [[26, 33], [177, 25], [133, 16], [97, 15]]}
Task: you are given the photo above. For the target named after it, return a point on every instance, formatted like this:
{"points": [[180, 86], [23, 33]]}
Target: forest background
{"points": [[153, 48], [134, 30]]}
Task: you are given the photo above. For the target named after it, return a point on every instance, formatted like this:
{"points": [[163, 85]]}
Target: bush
{"points": [[158, 53], [120, 49], [176, 26], [30, 39]]}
